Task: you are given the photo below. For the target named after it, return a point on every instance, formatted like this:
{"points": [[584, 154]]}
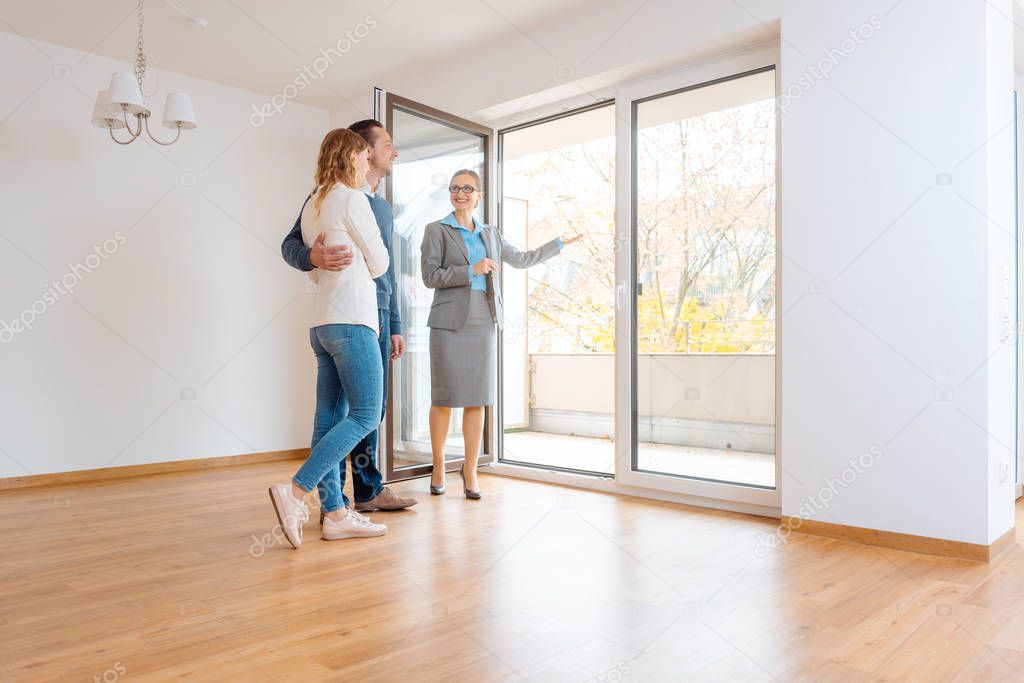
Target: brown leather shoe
{"points": [[386, 500]]}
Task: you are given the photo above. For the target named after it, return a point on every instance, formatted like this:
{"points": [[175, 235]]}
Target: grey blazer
{"points": [[445, 266]]}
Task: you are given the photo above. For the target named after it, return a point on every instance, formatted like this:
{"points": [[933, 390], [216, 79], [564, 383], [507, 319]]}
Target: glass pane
{"points": [[558, 400], [705, 306], [429, 152]]}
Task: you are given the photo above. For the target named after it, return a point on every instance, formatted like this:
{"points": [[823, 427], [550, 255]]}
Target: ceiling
{"points": [[261, 45]]}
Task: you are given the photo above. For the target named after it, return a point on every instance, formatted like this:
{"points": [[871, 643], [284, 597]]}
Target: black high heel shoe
{"points": [[438, 490], [470, 495]]}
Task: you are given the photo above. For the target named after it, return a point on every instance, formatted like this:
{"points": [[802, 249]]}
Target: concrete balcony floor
{"points": [[598, 455]]}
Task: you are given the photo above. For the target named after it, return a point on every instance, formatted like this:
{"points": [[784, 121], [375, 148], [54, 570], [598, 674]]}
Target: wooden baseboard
{"points": [[891, 539], [1002, 544], [105, 473]]}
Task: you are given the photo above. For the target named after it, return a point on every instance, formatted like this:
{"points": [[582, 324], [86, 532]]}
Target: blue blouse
{"points": [[474, 247]]}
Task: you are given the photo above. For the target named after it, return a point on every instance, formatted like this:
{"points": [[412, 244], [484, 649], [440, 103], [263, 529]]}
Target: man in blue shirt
{"points": [[367, 486]]}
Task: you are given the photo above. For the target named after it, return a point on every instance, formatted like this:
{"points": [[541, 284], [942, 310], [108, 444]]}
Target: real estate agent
{"points": [[459, 259]]}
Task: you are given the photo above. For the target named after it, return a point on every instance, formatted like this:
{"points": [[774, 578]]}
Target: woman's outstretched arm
{"points": [[524, 259]]}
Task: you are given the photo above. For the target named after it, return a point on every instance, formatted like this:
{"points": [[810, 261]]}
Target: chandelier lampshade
{"points": [[178, 111], [124, 93], [103, 115]]}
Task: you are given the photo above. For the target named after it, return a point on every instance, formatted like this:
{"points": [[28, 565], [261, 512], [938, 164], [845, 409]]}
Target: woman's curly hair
{"points": [[334, 164]]}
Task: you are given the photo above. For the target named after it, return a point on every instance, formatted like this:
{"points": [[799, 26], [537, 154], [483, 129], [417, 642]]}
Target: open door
{"points": [[432, 145]]}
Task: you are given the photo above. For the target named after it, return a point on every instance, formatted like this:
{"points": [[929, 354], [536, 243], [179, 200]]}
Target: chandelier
{"points": [[124, 97]]}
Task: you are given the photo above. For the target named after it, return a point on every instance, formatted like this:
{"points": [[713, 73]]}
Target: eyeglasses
{"points": [[468, 189]]}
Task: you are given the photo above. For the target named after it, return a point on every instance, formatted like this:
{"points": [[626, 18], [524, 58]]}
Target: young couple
{"points": [[342, 238]]}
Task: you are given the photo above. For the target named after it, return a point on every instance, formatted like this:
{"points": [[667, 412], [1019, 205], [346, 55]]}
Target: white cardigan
{"points": [[349, 295]]}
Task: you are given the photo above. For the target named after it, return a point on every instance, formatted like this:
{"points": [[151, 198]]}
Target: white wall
{"points": [[902, 352], [1018, 81], [1002, 293], [196, 297]]}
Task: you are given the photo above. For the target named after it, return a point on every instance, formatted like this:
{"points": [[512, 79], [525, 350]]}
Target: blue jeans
{"points": [[367, 481], [348, 363]]}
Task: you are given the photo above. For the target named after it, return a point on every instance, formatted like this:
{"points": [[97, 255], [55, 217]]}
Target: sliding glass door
{"points": [[704, 204], [558, 347], [700, 275]]}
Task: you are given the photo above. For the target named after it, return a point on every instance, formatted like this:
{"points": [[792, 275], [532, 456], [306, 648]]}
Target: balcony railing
{"points": [[690, 336], [708, 400]]}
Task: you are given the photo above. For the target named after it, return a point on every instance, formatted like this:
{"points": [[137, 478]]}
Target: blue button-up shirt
{"points": [[474, 247]]}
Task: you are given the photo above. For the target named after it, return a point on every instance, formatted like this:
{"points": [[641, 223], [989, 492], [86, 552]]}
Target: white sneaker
{"points": [[352, 525], [291, 512]]}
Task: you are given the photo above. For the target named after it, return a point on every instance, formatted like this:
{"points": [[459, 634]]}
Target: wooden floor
{"points": [[167, 577]]}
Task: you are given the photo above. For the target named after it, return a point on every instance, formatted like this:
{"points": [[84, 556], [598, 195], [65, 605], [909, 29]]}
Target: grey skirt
{"points": [[463, 363]]}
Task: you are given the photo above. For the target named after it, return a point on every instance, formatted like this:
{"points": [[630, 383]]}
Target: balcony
{"points": [[706, 415]]}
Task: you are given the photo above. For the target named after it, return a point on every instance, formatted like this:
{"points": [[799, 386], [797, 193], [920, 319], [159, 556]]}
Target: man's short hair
{"points": [[367, 129]]}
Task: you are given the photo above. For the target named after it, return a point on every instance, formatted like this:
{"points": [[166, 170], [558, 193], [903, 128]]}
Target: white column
{"points": [[894, 177]]}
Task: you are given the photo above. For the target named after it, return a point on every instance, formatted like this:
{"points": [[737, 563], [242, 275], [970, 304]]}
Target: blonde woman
{"points": [[459, 259], [343, 335]]}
